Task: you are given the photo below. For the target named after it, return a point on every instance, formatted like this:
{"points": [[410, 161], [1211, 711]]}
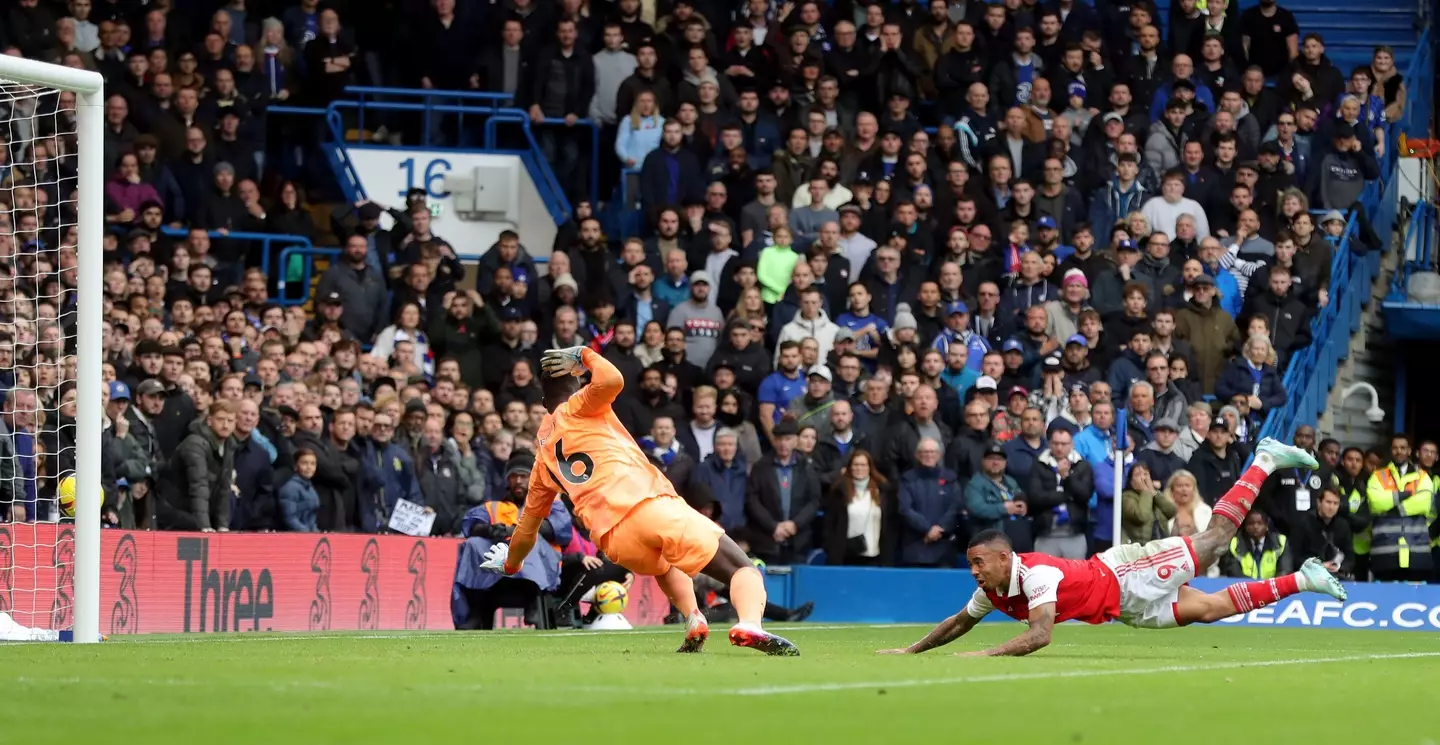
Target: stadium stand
{"points": [[962, 248]]}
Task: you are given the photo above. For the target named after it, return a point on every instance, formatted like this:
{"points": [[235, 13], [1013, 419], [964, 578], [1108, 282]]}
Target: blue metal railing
{"points": [[307, 255], [1417, 248], [266, 241], [495, 108]]}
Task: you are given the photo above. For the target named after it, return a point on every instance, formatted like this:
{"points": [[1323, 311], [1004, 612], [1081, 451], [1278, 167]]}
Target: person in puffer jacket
{"points": [[299, 502]]}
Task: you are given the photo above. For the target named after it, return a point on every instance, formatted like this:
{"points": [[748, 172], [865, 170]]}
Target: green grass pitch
{"points": [[1094, 684]]}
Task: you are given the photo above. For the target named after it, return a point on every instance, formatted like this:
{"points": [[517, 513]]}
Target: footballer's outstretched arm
{"points": [[606, 382], [1037, 637], [948, 631]]}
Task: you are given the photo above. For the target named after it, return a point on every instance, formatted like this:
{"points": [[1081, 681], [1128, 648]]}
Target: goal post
{"points": [[16, 74]]}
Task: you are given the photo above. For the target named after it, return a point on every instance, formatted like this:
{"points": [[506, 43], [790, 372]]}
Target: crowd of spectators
{"points": [[904, 267]]}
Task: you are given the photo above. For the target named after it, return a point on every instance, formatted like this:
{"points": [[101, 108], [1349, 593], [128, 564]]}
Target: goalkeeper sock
{"points": [[1241, 497], [1248, 596], [747, 594]]}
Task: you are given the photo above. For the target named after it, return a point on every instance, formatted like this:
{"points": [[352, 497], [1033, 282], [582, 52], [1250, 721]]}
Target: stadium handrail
{"points": [[308, 254], [266, 240], [1417, 240], [498, 104]]}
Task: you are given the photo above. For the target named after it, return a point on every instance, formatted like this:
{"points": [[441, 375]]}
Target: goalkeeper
{"points": [[632, 510]]}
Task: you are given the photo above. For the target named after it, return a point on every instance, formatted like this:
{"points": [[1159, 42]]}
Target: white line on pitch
{"points": [[1056, 675]]}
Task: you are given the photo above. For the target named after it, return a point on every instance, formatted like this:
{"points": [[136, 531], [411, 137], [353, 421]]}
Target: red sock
{"points": [[1248, 596], [1241, 497]]}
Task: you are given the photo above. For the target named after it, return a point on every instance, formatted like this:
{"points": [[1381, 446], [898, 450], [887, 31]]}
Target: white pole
{"points": [[89, 347], [1116, 524]]}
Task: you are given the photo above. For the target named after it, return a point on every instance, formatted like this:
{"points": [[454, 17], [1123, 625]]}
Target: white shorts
{"points": [[1150, 577]]}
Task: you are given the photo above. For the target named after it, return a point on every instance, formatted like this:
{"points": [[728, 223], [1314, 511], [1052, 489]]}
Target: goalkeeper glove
{"points": [[495, 558], [558, 363]]}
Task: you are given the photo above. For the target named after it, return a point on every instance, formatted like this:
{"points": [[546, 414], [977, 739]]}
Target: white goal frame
{"points": [[89, 90]]}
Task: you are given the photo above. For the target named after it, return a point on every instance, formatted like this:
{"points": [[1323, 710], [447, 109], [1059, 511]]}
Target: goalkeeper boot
{"points": [[1314, 577], [745, 635], [1285, 456], [697, 630]]}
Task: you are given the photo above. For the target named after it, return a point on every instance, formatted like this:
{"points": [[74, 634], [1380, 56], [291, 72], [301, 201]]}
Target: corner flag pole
{"points": [[1119, 454]]}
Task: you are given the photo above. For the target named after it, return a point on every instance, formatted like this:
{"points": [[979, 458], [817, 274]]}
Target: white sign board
{"points": [[411, 519], [388, 173]]}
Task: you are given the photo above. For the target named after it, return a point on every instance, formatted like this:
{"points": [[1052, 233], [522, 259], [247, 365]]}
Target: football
{"points": [[65, 496], [610, 598]]}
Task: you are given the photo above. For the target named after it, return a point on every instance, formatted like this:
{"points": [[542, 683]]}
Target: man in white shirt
{"points": [[856, 246], [1164, 211]]}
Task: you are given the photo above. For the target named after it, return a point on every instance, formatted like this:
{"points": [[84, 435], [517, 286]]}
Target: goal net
{"points": [[51, 242]]}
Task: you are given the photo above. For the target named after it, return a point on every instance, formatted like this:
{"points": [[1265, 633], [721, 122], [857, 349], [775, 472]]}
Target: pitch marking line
{"points": [[282, 686], [1059, 675]]}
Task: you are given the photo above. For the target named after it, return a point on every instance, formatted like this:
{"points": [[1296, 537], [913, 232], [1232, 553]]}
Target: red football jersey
{"points": [[1081, 590]]}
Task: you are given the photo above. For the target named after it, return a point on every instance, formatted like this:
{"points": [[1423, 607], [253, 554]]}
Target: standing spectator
{"points": [[255, 507], [360, 288], [1059, 487], [860, 516], [699, 318], [199, 486], [1324, 534], [903, 437], [299, 502], [671, 174], [931, 499], [462, 335], [328, 59], [1210, 331], [563, 87], [332, 480], [1215, 463], [389, 470], [1402, 502], [1271, 37], [440, 480], [1253, 377], [1145, 511], [995, 502], [723, 472], [782, 500], [1159, 455]]}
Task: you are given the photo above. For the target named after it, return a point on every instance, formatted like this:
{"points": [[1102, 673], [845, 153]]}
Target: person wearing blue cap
{"points": [[1076, 364], [957, 331], [1047, 239]]}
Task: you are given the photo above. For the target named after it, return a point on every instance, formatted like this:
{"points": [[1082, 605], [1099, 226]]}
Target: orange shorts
{"points": [[660, 533]]}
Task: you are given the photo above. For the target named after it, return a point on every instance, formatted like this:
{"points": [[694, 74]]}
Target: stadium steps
{"points": [[1372, 360]]}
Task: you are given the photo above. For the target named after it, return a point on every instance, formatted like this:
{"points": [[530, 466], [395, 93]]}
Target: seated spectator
{"points": [[406, 327], [781, 501], [1257, 552], [1058, 491], [860, 516], [994, 501], [478, 593]]}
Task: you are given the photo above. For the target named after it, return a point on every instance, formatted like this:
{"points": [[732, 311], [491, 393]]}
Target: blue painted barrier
{"points": [[870, 595], [266, 241]]}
